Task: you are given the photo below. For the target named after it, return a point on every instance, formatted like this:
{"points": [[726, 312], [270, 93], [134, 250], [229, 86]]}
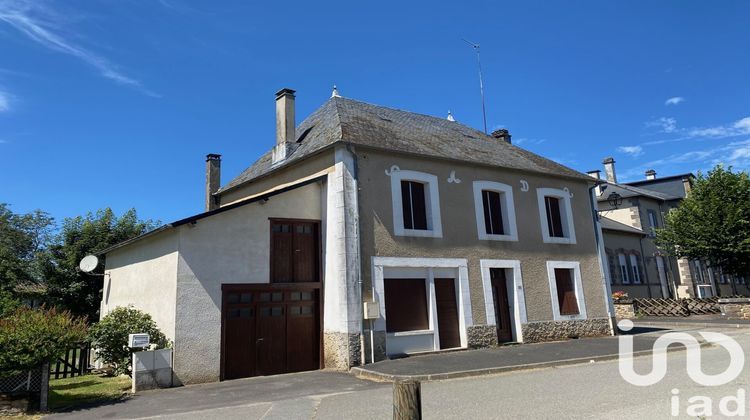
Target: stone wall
{"points": [[341, 350], [535, 332], [624, 310], [735, 308], [481, 336]]}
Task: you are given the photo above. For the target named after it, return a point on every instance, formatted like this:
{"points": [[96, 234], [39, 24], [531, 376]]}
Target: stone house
{"points": [[368, 232], [637, 266]]}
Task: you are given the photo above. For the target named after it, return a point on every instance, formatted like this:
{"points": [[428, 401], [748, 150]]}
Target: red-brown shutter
{"points": [[566, 295]]}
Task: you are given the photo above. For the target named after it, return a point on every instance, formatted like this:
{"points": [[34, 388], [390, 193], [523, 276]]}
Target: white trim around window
{"points": [[432, 204], [576, 267], [519, 302], [507, 208], [566, 216]]}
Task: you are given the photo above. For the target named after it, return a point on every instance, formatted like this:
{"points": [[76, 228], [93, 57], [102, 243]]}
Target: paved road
{"points": [[593, 390]]}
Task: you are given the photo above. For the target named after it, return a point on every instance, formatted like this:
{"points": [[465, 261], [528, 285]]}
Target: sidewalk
{"points": [[503, 359]]}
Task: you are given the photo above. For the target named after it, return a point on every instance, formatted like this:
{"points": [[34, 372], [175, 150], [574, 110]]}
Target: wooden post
{"points": [[407, 400]]}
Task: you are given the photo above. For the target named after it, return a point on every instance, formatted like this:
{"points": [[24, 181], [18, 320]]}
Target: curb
{"points": [[688, 324], [371, 375]]}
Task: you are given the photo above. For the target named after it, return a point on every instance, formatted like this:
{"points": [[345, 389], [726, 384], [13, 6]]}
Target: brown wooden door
{"points": [[239, 335], [447, 313], [502, 308], [269, 330], [295, 251]]}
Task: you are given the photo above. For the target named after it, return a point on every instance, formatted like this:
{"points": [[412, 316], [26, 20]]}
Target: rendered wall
{"points": [[143, 275], [229, 247]]}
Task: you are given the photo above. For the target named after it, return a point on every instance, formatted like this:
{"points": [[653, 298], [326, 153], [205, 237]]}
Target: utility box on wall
{"points": [[372, 310]]}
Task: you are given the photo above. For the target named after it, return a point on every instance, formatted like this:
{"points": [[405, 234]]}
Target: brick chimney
{"points": [[284, 124], [502, 134], [213, 180], [609, 170], [650, 174]]}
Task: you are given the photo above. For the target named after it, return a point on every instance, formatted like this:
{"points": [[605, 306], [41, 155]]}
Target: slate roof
{"points": [[609, 224], [629, 191], [359, 123]]}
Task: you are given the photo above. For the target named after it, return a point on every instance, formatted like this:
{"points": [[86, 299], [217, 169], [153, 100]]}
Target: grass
{"points": [[88, 389]]}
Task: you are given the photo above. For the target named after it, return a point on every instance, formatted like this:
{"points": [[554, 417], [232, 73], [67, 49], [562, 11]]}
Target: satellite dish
{"points": [[88, 263]]}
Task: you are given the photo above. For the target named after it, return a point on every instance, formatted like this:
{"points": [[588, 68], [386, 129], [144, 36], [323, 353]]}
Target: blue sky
{"points": [[116, 102]]}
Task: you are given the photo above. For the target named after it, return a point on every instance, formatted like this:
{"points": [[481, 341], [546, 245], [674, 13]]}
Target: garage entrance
{"points": [[270, 329]]}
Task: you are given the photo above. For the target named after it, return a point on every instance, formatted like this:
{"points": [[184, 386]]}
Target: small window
{"points": [[635, 269], [493, 213], [652, 223], [496, 217], [566, 290], [556, 217], [624, 273], [613, 268], [413, 201], [566, 294], [416, 204]]}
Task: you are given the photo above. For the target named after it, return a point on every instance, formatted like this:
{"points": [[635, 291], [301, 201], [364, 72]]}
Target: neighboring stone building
{"points": [[366, 221], [637, 265]]}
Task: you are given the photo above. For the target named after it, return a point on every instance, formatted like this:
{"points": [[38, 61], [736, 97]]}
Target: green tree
{"points": [[110, 337], [29, 337], [23, 238], [712, 222], [67, 286]]}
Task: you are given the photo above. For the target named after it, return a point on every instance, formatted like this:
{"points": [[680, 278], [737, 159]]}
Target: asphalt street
{"points": [[585, 391]]}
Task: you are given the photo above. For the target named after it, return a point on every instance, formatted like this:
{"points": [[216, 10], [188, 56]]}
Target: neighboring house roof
{"points": [[362, 124], [609, 224], [627, 191], [660, 180]]}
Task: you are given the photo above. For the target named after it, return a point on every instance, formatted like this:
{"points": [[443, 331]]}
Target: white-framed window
{"points": [[556, 216], [495, 211], [634, 267], [566, 290], [624, 275], [416, 204]]}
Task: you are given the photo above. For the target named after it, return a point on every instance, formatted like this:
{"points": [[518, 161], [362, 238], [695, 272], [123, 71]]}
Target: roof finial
{"points": [[335, 93], [450, 116]]}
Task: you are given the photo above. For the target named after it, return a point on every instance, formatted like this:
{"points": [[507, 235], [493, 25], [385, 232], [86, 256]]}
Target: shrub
{"points": [[110, 337], [8, 304], [30, 337]]}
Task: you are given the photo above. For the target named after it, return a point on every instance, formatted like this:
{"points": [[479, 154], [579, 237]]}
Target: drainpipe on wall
{"points": [[645, 270], [603, 264]]}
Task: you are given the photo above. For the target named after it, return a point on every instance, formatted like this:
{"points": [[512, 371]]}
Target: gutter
{"points": [[602, 262]]}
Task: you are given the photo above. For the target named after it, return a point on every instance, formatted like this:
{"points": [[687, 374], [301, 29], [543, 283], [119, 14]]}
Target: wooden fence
{"points": [[676, 307], [76, 362]]}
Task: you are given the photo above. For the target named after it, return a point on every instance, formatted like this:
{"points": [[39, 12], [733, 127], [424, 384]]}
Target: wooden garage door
{"points": [[268, 330]]}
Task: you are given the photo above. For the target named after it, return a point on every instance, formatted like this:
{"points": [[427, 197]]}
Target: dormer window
{"points": [[556, 216], [416, 204]]}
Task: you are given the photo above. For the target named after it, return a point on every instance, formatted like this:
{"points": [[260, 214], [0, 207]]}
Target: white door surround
{"points": [[518, 302], [428, 268]]}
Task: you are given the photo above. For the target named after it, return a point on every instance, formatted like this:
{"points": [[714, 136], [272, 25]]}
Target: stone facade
{"points": [[481, 336], [535, 332], [341, 350], [737, 308], [624, 310]]}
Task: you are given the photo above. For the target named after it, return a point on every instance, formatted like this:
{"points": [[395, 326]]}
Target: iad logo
{"points": [[694, 369]]}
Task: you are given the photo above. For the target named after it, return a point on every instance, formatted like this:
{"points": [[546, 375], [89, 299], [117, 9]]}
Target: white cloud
{"points": [[38, 22], [4, 101], [634, 151], [738, 128], [667, 124], [674, 100]]}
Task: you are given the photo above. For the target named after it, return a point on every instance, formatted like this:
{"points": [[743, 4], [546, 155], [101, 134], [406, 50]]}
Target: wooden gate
{"points": [[269, 329], [76, 362]]}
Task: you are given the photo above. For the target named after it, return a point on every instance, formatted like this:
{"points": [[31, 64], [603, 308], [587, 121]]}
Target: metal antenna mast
{"points": [[481, 85]]}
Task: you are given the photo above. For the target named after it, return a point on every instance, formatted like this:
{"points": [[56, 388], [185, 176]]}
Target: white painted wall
{"points": [[229, 247], [144, 276]]}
